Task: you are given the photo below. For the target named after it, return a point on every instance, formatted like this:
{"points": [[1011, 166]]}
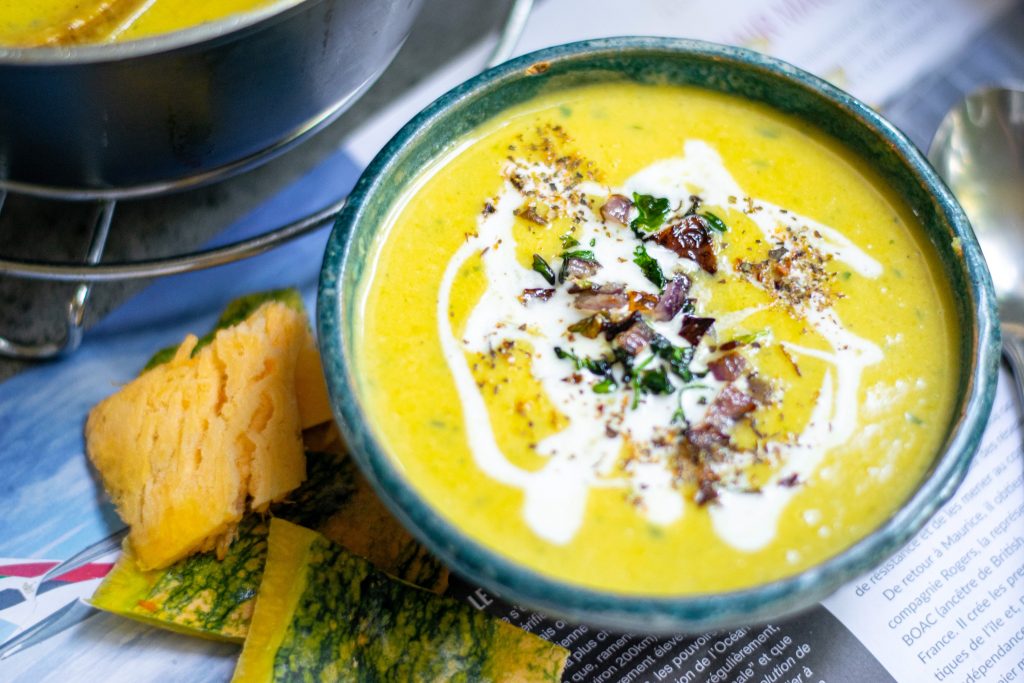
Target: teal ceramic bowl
{"points": [[655, 60]]}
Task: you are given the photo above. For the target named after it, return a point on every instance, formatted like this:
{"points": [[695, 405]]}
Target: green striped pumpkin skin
{"points": [[200, 596], [351, 622], [213, 598]]}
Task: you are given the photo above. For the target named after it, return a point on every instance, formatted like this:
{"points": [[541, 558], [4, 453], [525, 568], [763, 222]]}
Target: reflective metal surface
{"points": [[979, 151], [148, 116], [93, 271]]}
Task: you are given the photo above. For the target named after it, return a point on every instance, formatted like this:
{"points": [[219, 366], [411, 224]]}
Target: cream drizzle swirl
{"points": [[580, 456]]}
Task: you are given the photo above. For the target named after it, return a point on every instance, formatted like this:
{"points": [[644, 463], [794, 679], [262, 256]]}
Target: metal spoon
{"points": [[979, 151]]}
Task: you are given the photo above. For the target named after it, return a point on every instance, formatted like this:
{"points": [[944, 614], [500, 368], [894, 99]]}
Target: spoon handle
{"points": [[1013, 351]]}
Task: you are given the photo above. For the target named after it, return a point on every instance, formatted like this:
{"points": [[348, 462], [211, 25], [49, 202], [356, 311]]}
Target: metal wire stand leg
{"points": [[76, 305]]}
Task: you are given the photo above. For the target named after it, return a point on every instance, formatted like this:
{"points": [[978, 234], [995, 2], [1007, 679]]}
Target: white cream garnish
{"points": [[585, 454]]}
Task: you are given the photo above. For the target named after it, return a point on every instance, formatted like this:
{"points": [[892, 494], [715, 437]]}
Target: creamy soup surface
{"points": [[39, 23], [656, 340]]}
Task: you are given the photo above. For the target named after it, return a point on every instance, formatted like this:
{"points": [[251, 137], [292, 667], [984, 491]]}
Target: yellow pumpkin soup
{"points": [[658, 340], [38, 23]]}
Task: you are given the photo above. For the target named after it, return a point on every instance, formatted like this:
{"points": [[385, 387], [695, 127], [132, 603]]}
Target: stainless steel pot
{"points": [[159, 114]]}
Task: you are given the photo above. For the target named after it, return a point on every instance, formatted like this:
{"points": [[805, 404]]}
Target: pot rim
{"points": [[658, 613], [92, 53]]}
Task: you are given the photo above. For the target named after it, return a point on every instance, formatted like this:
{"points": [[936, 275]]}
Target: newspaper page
{"points": [[948, 607]]}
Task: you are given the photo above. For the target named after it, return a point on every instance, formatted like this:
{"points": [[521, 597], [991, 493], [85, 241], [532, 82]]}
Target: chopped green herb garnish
{"points": [[649, 265], [750, 337], [582, 254], [714, 222], [656, 382], [913, 419], [567, 355], [678, 415], [622, 356], [598, 366], [677, 357], [652, 212], [847, 275], [542, 267], [568, 241], [636, 374], [593, 241], [679, 360]]}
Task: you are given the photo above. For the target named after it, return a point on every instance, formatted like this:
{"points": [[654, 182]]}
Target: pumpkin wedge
{"points": [[197, 596], [203, 596], [310, 387], [192, 443], [323, 613]]}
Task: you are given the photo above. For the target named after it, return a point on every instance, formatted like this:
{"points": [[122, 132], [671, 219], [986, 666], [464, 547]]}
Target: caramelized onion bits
{"points": [[589, 327], [790, 480], [672, 299], [613, 327], [598, 298], [707, 492], [536, 294], [616, 210], [642, 301], [761, 389], [575, 268], [699, 446], [695, 328], [709, 441], [731, 404], [705, 437], [691, 239], [635, 338], [728, 367], [530, 213]]}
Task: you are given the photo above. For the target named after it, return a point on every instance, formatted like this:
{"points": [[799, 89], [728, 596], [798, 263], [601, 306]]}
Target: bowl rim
{"points": [[189, 35], [658, 613]]}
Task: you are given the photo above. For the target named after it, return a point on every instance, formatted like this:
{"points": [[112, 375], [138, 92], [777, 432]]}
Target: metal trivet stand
{"points": [[92, 270]]}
